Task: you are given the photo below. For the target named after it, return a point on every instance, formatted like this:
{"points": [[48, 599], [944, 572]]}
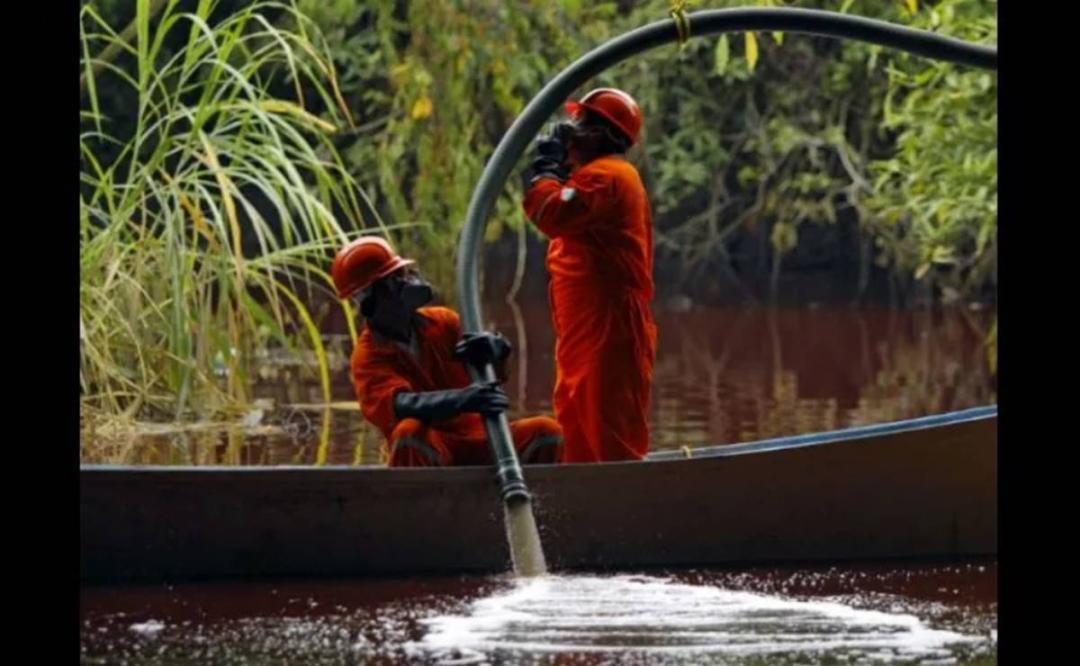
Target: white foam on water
{"points": [[148, 628], [645, 615]]}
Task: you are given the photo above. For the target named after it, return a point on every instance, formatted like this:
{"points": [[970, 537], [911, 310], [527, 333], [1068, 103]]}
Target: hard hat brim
{"points": [[575, 109], [397, 264]]}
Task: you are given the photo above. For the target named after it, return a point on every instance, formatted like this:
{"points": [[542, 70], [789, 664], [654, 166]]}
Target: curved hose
{"points": [[707, 22]]}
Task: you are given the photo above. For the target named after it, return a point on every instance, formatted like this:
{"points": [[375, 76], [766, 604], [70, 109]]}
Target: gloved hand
{"points": [[477, 349], [550, 155], [556, 142], [564, 132], [482, 397]]}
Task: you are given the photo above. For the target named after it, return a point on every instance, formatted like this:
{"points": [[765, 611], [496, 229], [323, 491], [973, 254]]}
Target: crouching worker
{"points": [[408, 372]]}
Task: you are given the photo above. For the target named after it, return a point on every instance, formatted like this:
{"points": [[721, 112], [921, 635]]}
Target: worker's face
{"points": [[397, 296], [579, 147], [586, 142]]}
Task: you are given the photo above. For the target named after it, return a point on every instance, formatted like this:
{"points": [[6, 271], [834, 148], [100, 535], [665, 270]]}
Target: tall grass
{"points": [[208, 213]]}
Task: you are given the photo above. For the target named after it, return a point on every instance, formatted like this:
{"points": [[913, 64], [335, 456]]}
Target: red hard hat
{"points": [[614, 105], [363, 261]]}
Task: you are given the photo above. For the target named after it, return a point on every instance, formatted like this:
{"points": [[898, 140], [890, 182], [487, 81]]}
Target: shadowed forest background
{"points": [[229, 147]]}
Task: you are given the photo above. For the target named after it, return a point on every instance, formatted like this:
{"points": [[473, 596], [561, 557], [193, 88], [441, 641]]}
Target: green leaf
{"points": [[572, 7], [723, 55], [784, 236], [751, 50], [983, 238], [943, 255], [91, 86], [778, 37], [142, 24], [264, 318]]}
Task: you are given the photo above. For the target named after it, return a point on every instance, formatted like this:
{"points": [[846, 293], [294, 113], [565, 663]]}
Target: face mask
{"points": [[410, 290], [416, 293], [403, 294]]}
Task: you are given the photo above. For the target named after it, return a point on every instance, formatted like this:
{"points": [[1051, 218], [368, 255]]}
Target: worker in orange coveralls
{"points": [[585, 196], [408, 371]]}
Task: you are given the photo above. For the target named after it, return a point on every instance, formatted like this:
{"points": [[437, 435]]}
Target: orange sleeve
{"points": [[376, 382], [446, 327], [449, 326], [573, 207], [449, 323]]}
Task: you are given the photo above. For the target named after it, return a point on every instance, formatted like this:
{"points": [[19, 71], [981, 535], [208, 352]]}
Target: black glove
{"points": [[549, 158], [479, 397], [476, 349], [554, 144]]}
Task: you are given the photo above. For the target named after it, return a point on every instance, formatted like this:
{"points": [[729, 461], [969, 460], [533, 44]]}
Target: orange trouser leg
{"points": [[415, 444], [604, 380], [536, 439]]}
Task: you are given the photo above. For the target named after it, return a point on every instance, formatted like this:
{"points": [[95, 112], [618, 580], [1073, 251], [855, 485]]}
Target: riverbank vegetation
{"points": [[228, 147]]}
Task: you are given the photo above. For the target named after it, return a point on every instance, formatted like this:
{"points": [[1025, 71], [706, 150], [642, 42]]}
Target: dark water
{"points": [[721, 376], [927, 614]]}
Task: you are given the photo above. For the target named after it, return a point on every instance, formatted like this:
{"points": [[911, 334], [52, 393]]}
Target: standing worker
{"points": [[590, 202], [408, 369]]}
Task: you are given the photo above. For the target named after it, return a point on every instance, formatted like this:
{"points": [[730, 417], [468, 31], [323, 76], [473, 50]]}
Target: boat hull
{"points": [[926, 488]]}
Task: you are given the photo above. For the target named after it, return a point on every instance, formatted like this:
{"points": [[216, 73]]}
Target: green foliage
{"points": [[335, 114], [206, 210], [742, 131], [934, 208], [434, 88]]}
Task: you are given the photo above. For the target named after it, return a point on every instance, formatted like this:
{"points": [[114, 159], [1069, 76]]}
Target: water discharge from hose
{"points": [[526, 551]]}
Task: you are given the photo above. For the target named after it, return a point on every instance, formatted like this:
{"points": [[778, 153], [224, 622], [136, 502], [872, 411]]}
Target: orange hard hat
{"points": [[363, 261], [615, 106]]}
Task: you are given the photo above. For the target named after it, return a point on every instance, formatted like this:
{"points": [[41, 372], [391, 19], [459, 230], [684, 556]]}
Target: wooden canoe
{"points": [[921, 488]]}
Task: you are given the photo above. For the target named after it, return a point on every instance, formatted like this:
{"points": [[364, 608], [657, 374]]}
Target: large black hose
{"points": [[707, 22]]}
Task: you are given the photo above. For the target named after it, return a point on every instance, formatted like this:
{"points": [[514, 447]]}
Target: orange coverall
{"points": [[600, 262], [381, 368]]}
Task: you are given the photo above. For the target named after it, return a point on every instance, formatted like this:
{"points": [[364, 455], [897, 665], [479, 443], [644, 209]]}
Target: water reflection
{"points": [[721, 376], [725, 376]]}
